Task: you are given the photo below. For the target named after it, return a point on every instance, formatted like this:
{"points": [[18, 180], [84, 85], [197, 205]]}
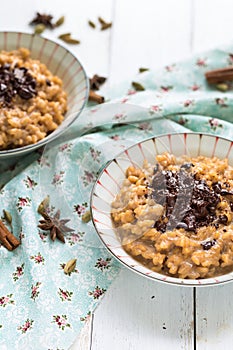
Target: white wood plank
{"points": [[213, 23], [150, 34], [94, 48], [138, 313], [215, 317]]}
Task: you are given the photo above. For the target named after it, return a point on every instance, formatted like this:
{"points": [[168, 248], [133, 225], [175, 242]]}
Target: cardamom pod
{"points": [[101, 20], [39, 28], [66, 37], [43, 205], [141, 70], [222, 87], [91, 24], [70, 266], [138, 86], [86, 217], [59, 22], [7, 216], [104, 24]]}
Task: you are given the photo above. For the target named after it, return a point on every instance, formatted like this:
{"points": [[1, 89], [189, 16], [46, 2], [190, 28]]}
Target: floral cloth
{"points": [[41, 307]]}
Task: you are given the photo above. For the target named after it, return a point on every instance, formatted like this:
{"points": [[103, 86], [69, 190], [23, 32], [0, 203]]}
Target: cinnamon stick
{"points": [[93, 96], [8, 240], [219, 75]]}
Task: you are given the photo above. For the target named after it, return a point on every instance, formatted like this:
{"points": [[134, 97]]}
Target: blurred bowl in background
{"points": [[62, 63]]}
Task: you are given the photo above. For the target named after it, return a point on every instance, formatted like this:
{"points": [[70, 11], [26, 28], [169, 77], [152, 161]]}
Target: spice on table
{"points": [[91, 24], [7, 216], [43, 205], [66, 37], [43, 18], [39, 28], [7, 239], [55, 225], [222, 87], [104, 25], [142, 70], [86, 217], [93, 96], [137, 86], [70, 266], [59, 22], [221, 75], [96, 81]]}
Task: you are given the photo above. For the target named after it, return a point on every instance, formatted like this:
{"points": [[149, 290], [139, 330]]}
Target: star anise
{"points": [[55, 225], [96, 81], [42, 18]]}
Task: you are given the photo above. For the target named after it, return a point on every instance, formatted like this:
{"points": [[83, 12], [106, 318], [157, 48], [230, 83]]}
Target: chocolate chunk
{"points": [[223, 219], [48, 82], [182, 225], [231, 206], [189, 202], [216, 186], [15, 80], [209, 244], [186, 166]]}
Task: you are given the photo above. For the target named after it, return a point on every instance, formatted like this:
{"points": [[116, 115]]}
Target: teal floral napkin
{"points": [[41, 307]]}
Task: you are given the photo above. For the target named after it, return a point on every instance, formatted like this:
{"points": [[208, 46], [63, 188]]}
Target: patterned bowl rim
{"points": [[205, 282], [21, 150]]}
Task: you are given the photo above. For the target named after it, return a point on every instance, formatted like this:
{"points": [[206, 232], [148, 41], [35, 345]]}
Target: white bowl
{"points": [[110, 179], [60, 62]]}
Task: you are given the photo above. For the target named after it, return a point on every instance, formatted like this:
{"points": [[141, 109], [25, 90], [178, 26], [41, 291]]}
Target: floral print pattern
{"points": [[65, 295], [35, 290], [103, 264], [97, 292], [26, 326], [23, 202], [61, 321], [30, 183], [19, 272], [6, 300], [38, 258]]}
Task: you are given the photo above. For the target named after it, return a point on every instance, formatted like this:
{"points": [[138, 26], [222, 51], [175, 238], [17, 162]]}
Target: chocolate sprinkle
{"points": [[189, 202], [15, 81]]}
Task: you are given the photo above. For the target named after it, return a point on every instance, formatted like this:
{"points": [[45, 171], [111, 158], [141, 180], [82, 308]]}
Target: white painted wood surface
{"points": [[148, 33]]}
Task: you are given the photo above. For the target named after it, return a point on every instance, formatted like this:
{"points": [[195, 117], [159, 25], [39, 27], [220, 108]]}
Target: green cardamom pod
{"points": [[39, 28], [222, 87], [70, 266], [7, 216], [141, 70], [60, 21], [86, 217], [43, 205], [138, 86]]}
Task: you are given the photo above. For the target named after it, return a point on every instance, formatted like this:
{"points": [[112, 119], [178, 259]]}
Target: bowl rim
{"points": [[51, 137], [172, 280]]}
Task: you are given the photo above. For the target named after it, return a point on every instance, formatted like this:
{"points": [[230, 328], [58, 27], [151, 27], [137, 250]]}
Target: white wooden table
{"points": [[138, 313]]}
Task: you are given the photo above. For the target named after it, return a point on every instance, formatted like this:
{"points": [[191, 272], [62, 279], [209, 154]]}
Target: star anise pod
{"points": [[42, 18], [96, 81], [55, 225]]}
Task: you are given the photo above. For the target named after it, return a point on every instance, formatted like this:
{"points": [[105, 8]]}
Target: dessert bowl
{"points": [[195, 250], [61, 63]]}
